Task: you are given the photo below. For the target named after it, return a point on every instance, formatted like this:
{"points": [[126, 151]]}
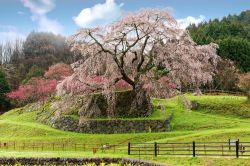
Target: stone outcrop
{"points": [[88, 114], [96, 106]]}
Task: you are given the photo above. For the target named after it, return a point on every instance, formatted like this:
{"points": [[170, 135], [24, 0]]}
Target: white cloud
{"points": [[99, 14], [185, 22], [39, 9], [9, 33], [50, 25]]}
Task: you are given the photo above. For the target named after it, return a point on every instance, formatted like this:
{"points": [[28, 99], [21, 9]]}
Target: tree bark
{"points": [[141, 106]]}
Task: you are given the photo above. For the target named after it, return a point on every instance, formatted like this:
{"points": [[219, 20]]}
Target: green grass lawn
{"points": [[218, 118]]}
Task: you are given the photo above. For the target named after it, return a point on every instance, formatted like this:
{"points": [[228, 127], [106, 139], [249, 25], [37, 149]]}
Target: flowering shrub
{"points": [[34, 90], [58, 71]]}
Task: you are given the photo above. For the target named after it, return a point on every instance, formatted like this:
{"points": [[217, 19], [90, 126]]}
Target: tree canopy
{"points": [[4, 89], [140, 49], [232, 34]]}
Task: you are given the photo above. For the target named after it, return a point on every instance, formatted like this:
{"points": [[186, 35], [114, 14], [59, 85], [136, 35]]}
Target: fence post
{"points": [[129, 148], [237, 149], [155, 147], [193, 149]]}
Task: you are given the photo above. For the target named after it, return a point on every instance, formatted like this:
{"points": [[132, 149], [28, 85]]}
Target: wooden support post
{"points": [[129, 146], [237, 149], [193, 149], [155, 147]]}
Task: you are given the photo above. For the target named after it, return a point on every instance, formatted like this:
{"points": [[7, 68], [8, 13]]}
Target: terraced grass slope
{"points": [[217, 119]]}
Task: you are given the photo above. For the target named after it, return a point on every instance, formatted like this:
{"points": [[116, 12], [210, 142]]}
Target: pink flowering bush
{"points": [[58, 71], [34, 90]]}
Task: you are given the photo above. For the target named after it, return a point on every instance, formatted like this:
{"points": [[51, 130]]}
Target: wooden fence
{"points": [[217, 92], [230, 148], [65, 146]]}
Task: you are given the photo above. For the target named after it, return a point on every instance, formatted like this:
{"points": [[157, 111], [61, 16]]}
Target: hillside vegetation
{"points": [[232, 33], [218, 118]]}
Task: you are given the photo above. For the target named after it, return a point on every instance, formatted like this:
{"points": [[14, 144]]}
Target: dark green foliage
{"points": [[232, 33], [160, 71], [236, 49], [4, 88], [34, 71]]}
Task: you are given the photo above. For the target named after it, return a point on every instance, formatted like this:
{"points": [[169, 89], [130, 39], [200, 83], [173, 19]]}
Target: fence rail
{"points": [[230, 148], [64, 146], [215, 91]]}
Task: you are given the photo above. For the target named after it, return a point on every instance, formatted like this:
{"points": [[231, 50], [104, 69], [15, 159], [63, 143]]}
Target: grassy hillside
{"points": [[217, 119]]}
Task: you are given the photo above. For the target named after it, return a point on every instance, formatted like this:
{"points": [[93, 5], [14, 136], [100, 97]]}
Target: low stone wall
{"points": [[73, 161], [124, 126], [112, 126]]}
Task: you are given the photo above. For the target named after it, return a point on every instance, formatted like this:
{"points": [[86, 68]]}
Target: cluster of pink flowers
{"points": [[58, 71], [41, 88], [89, 84], [122, 85], [36, 89]]}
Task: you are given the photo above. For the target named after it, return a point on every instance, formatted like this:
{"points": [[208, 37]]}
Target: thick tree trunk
{"points": [[141, 105]]}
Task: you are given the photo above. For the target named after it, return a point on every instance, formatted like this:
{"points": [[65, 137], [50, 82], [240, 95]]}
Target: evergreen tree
{"points": [[232, 33], [4, 88]]}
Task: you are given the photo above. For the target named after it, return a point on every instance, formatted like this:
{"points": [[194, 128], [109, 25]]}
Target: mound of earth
{"points": [[96, 106]]}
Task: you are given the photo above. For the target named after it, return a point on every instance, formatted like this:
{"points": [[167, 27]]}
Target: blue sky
{"points": [[19, 17]]}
